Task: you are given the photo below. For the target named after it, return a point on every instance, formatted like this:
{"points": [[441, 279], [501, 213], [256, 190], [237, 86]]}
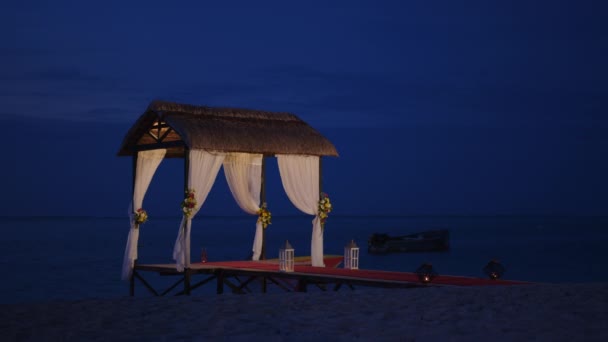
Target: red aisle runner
{"points": [[364, 274]]}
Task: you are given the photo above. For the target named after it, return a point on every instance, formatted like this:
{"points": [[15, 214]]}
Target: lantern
{"points": [[351, 256], [494, 270], [286, 257], [426, 273]]}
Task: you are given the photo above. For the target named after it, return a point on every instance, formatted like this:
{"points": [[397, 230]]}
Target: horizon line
{"points": [[305, 215]]}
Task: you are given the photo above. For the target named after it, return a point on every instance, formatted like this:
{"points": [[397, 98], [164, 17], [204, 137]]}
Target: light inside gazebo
{"points": [[426, 273], [286, 257], [494, 270], [159, 130], [351, 256]]}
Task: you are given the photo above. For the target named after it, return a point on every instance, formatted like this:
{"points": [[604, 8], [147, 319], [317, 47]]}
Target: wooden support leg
{"points": [[220, 282], [287, 288], [171, 287], [264, 284], [132, 284], [187, 281], [302, 285], [143, 281]]}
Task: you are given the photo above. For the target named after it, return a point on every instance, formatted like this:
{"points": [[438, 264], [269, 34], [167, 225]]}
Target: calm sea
{"points": [[74, 258]]}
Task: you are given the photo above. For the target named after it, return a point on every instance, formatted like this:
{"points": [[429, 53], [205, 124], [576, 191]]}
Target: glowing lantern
{"points": [[426, 273], [351, 256], [286, 258], [494, 270]]}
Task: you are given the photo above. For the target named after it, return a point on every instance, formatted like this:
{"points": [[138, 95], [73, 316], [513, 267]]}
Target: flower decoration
{"points": [[264, 216], [324, 207], [189, 203], [141, 216]]}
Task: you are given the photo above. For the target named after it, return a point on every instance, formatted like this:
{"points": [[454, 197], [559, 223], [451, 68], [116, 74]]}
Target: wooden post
{"points": [[132, 277], [262, 201], [186, 177], [302, 285], [187, 281], [132, 284], [220, 281], [320, 175], [186, 167], [320, 191], [134, 174], [321, 185]]}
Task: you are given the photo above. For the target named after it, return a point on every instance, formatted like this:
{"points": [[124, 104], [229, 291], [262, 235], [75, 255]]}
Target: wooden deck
{"points": [[240, 275]]}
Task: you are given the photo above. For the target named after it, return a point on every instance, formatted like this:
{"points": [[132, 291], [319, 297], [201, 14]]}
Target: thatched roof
{"points": [[175, 126]]}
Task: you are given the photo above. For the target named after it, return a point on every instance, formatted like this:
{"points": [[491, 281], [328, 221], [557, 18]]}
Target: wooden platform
{"points": [[239, 275]]}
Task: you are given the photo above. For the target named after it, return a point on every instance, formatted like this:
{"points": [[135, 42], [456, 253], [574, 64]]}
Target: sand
{"points": [[540, 312]]}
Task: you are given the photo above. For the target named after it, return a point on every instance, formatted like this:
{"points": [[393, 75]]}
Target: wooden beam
{"points": [[287, 289], [172, 287], [165, 134], [158, 130], [153, 136], [202, 282], [235, 289], [148, 286], [168, 144], [243, 284]]}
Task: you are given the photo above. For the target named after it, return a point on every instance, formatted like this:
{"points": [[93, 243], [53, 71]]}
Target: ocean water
{"points": [[76, 258]]}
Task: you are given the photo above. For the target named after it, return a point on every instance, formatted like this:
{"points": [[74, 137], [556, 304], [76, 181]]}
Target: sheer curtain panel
{"points": [[244, 176], [300, 178], [202, 172], [147, 163]]}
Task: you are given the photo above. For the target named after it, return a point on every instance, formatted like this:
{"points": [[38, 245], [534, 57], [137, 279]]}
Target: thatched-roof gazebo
{"points": [[238, 139], [177, 127]]}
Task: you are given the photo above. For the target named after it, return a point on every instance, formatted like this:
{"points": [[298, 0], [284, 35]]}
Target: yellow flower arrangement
{"points": [[324, 207], [189, 203], [264, 216], [141, 216]]}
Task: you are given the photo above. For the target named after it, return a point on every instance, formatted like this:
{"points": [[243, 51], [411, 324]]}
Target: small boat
{"points": [[428, 241]]}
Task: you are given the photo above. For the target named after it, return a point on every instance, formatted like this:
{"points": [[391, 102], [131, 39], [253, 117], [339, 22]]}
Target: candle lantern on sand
{"points": [[494, 270], [426, 273], [351, 256], [286, 256]]}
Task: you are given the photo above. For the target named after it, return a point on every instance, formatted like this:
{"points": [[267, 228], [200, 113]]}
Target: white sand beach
{"points": [[540, 312]]}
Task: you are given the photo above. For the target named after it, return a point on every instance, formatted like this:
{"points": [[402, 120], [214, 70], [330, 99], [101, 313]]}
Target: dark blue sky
{"points": [[436, 107]]}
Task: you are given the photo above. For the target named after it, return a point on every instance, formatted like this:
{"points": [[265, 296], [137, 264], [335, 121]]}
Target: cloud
{"points": [[70, 94], [394, 99], [23, 52], [322, 97]]}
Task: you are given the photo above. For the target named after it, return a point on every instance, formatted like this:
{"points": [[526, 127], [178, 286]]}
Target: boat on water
{"points": [[427, 241]]}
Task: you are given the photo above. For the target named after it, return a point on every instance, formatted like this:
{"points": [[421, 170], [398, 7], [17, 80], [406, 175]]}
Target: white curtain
{"points": [[244, 176], [203, 170], [300, 178], [147, 163]]}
